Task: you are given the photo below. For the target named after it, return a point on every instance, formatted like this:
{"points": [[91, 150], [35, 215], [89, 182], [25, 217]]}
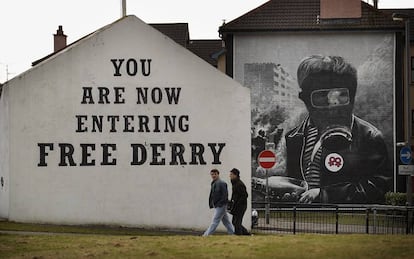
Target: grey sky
{"points": [[26, 26]]}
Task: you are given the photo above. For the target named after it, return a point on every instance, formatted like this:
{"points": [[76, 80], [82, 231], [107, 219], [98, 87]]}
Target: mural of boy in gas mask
{"points": [[342, 158]]}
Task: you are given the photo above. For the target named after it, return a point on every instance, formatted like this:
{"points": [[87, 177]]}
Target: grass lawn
{"points": [[135, 243], [221, 246]]}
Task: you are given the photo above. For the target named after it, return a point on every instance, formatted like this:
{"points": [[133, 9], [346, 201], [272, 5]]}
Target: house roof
{"points": [[176, 31], [180, 34], [206, 49], [293, 15], [409, 12], [34, 63]]}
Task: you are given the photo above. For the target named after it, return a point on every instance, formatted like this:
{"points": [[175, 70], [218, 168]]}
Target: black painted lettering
{"points": [[81, 123], [173, 94], [142, 95], [127, 123], [132, 67], [117, 66], [177, 151], [97, 123], [146, 71], [43, 153], [86, 154], [113, 119], [136, 158], [106, 154], [156, 95], [143, 123], [87, 96], [156, 154], [156, 123], [66, 153], [118, 95], [197, 151], [169, 123], [216, 152], [103, 95], [183, 123]]}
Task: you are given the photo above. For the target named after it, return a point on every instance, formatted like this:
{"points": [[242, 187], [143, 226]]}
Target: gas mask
{"points": [[331, 112]]}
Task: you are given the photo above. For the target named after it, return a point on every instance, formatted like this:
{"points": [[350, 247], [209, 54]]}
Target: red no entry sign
{"points": [[267, 159]]}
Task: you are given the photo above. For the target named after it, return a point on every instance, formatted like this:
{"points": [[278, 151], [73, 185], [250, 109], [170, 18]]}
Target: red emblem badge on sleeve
{"points": [[334, 162]]}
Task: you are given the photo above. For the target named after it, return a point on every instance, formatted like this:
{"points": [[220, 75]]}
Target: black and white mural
{"points": [[324, 105]]}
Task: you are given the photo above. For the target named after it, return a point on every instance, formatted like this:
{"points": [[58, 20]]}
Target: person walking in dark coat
{"points": [[218, 200], [238, 202]]}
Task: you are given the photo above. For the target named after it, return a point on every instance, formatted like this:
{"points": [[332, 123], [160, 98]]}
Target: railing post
{"points": [[336, 220], [375, 221], [367, 221], [410, 220], [294, 220], [407, 216], [267, 212]]}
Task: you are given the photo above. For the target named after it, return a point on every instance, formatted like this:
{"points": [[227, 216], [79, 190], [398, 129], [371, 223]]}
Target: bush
{"points": [[396, 198]]}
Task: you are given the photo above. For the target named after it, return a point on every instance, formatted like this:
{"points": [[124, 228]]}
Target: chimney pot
{"points": [[340, 9], [59, 39]]}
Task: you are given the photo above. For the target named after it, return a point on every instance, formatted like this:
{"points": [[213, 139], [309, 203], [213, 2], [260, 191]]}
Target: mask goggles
{"points": [[327, 98]]}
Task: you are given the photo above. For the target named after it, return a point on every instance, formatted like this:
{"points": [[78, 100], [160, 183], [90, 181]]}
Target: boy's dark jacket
{"points": [[365, 175]]}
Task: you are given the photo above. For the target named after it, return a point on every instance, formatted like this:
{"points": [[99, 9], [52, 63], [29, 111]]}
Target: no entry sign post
{"points": [[267, 159]]}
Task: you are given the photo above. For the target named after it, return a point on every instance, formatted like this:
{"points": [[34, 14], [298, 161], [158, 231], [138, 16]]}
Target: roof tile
{"points": [[205, 49], [177, 31], [290, 15]]}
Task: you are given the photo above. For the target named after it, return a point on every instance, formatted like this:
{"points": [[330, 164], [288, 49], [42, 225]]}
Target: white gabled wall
{"points": [[45, 100], [4, 153]]}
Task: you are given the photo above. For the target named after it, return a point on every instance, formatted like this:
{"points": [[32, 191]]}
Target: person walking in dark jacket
{"points": [[218, 200], [239, 202]]}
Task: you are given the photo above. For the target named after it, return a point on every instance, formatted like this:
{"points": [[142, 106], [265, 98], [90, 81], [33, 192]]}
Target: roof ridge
{"points": [[245, 14], [303, 15]]}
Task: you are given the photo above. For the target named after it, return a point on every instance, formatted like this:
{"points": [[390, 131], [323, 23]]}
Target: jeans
{"points": [[220, 214]]}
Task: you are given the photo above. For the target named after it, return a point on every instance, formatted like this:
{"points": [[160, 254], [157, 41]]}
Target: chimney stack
{"points": [[340, 9], [59, 39]]}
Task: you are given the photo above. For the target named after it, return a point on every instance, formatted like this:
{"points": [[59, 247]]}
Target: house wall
{"points": [[221, 63], [108, 179], [4, 154], [273, 111]]}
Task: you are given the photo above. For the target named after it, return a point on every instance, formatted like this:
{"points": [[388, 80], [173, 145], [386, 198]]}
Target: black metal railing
{"points": [[333, 219]]}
